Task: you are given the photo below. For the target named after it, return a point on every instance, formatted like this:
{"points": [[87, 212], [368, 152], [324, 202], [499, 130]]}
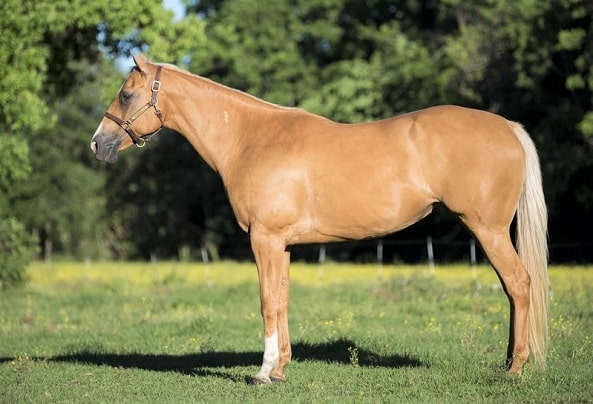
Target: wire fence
{"points": [[427, 250]]}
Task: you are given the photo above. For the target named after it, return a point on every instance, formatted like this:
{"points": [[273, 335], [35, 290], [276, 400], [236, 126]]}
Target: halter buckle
{"points": [[156, 86]]}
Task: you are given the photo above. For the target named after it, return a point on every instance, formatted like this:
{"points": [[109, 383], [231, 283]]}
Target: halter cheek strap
{"points": [[139, 140]]}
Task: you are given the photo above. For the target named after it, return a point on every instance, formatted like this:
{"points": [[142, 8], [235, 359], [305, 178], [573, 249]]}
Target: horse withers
{"points": [[293, 177]]}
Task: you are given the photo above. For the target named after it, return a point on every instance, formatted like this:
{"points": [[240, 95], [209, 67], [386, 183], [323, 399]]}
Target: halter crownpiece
{"points": [[126, 125]]}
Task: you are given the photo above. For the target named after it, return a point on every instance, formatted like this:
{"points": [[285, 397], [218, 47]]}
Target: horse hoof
{"points": [[259, 382], [515, 372], [515, 366], [277, 379]]}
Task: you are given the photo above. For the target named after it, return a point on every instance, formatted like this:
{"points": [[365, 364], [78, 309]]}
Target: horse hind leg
{"points": [[499, 249]]}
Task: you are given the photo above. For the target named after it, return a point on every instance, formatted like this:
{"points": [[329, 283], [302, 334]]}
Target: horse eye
{"points": [[125, 97]]}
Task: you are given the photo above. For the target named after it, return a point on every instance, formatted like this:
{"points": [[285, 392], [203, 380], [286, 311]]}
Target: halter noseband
{"points": [[126, 125]]}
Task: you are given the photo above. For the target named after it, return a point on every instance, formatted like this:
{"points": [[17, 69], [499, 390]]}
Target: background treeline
{"points": [[62, 61]]}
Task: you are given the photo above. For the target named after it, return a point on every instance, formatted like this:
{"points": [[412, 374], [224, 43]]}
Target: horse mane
{"points": [[231, 90]]}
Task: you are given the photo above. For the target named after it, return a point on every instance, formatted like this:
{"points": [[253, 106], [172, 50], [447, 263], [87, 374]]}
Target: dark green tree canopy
{"points": [[349, 60]]}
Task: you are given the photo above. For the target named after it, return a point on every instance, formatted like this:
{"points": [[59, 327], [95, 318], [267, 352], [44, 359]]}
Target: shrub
{"points": [[16, 250]]}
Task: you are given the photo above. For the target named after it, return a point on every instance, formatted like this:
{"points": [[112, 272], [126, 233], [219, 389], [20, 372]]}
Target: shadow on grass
{"points": [[203, 363]]}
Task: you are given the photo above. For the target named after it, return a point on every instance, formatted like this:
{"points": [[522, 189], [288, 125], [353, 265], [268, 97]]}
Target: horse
{"points": [[293, 177]]}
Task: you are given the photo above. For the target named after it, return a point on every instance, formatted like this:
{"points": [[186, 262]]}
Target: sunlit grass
{"points": [[228, 273], [135, 331]]}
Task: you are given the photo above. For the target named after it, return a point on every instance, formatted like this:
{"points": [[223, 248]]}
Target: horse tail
{"points": [[532, 246]]}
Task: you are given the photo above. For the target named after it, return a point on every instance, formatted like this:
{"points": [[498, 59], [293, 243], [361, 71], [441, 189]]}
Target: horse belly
{"points": [[369, 189], [364, 211]]}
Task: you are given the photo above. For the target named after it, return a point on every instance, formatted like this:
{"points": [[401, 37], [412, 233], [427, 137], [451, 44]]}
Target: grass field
{"points": [[176, 332]]}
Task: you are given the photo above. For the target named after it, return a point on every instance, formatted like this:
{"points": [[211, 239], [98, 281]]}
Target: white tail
{"points": [[532, 246]]}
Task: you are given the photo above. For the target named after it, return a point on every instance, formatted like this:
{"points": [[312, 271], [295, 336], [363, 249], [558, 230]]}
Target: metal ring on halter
{"points": [[142, 140]]}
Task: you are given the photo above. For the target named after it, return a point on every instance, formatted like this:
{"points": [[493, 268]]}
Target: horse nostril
{"points": [[94, 147]]}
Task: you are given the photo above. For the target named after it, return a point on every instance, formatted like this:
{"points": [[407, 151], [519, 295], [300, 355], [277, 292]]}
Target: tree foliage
{"points": [[16, 246], [16, 250], [53, 53], [350, 60]]}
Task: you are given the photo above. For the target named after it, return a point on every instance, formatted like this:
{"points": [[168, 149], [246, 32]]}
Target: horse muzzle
{"points": [[105, 147]]}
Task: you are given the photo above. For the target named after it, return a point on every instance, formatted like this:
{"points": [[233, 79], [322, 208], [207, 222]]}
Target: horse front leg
{"points": [[273, 262]]}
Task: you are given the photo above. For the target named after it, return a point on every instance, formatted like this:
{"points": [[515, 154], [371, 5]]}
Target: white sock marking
{"points": [[271, 357]]}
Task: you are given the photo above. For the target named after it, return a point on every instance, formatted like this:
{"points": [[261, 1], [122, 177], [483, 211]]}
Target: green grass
{"points": [[177, 332]]}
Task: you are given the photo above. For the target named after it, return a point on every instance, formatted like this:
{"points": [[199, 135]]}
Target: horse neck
{"points": [[215, 119]]}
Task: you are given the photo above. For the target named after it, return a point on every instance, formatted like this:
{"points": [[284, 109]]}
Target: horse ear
{"points": [[140, 61]]}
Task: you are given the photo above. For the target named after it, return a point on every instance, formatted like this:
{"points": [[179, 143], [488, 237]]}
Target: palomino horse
{"points": [[293, 177]]}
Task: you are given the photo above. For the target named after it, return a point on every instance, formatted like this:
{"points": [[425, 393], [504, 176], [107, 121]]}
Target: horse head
{"points": [[125, 122]]}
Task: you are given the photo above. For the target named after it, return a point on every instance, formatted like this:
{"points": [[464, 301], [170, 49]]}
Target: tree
{"points": [[23, 112], [349, 60], [16, 245], [64, 200], [42, 47]]}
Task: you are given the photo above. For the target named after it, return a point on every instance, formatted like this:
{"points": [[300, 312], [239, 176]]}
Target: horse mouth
{"points": [[106, 152]]}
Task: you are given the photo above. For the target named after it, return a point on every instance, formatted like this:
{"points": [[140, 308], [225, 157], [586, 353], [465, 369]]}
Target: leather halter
{"points": [[126, 125]]}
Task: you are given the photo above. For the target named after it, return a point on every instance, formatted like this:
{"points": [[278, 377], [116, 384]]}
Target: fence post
{"points": [[472, 256], [321, 261], [206, 262], [379, 258], [153, 260], [322, 254], [430, 251]]}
